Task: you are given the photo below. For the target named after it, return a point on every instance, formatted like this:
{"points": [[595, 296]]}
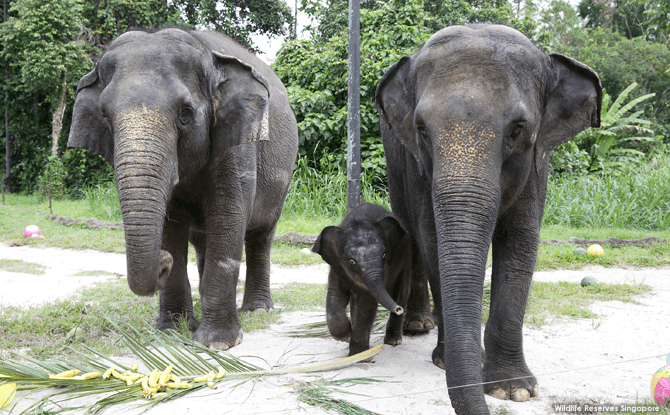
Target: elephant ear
{"points": [[394, 98], [89, 130], [573, 105], [240, 104], [393, 231], [326, 245]]}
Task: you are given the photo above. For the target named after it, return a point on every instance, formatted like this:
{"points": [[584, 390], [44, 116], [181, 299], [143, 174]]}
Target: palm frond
{"points": [[155, 350], [318, 393]]}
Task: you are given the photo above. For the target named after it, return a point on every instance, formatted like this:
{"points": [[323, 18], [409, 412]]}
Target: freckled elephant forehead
{"points": [[466, 142]]}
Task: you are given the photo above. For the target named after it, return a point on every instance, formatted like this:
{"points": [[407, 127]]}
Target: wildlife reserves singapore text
{"points": [[593, 408]]}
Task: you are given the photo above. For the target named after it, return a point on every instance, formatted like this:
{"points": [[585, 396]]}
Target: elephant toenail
{"points": [[439, 363], [521, 395], [536, 391], [238, 341], [222, 345], [498, 393]]}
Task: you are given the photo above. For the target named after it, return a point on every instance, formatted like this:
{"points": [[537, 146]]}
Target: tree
{"points": [[315, 71], [239, 19], [47, 41], [620, 61], [561, 28], [43, 42]]}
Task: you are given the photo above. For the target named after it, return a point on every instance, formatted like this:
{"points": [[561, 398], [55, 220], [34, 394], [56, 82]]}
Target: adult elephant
{"points": [[203, 142], [468, 123]]}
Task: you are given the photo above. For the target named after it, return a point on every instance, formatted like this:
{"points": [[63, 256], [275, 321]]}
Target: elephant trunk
{"points": [[145, 174], [375, 282], [465, 211]]}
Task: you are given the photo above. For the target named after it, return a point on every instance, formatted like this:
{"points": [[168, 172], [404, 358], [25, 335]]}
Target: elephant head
{"points": [[149, 107], [479, 109], [359, 249]]}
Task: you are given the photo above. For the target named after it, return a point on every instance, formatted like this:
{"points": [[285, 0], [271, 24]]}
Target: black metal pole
{"points": [[354, 115], [8, 146], [295, 21]]}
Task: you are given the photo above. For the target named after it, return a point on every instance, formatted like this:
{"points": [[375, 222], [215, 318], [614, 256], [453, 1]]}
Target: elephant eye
{"points": [[517, 130], [185, 116], [352, 262]]}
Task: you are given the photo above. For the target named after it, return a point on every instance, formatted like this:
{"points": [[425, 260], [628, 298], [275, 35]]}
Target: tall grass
{"points": [[312, 193], [634, 199], [315, 193], [103, 201]]}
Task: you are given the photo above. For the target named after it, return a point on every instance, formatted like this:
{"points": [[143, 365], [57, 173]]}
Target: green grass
{"points": [[548, 300], [43, 328], [562, 233], [17, 265], [561, 257]]}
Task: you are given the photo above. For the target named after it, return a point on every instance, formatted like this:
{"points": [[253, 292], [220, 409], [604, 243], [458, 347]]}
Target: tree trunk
{"points": [[57, 123]]}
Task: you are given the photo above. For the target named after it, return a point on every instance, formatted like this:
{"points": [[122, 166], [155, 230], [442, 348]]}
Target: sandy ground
{"points": [[610, 359]]}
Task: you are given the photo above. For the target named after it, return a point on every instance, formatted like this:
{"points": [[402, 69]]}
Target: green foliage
{"points": [[610, 145], [51, 184], [317, 76], [620, 61], [560, 28], [238, 19], [315, 71], [84, 169], [42, 41], [569, 159]]}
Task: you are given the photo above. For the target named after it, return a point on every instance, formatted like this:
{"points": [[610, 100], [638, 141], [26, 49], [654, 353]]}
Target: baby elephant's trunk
{"points": [[375, 283]]}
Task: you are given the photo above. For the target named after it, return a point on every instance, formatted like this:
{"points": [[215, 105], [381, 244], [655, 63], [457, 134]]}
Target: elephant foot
{"points": [[257, 305], [218, 338], [356, 349], [521, 388], [393, 338], [438, 355], [419, 323], [172, 321]]}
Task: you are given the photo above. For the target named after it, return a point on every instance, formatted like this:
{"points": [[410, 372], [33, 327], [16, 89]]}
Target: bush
{"points": [[51, 183]]}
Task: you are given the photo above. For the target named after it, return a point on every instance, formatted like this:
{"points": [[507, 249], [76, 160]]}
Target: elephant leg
{"points": [[420, 318], [257, 284], [176, 302], [515, 243], [227, 209], [363, 313], [336, 309]]}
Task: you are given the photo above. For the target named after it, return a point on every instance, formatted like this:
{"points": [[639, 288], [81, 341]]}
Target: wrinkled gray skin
{"points": [[203, 141], [370, 256], [468, 123]]}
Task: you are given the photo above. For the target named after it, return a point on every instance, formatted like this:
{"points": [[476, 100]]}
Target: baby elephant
{"points": [[370, 256]]}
